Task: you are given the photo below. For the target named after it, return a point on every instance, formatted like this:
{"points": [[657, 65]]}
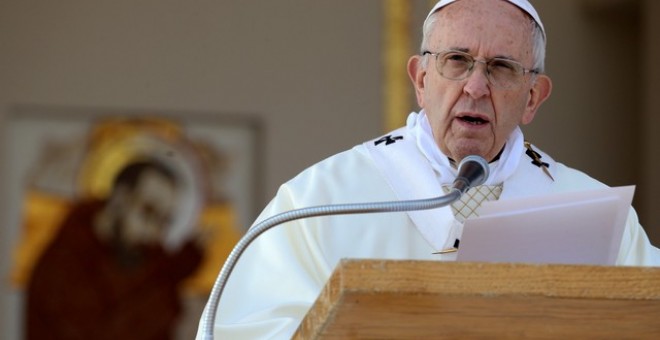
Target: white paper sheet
{"points": [[571, 228]]}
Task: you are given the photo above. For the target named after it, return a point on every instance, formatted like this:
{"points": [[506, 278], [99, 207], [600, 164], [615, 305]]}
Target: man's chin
{"points": [[466, 149]]}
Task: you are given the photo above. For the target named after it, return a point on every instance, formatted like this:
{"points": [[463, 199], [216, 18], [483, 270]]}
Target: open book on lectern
{"points": [[584, 227]]}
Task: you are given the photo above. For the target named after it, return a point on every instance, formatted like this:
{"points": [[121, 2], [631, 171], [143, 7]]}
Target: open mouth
{"points": [[473, 120]]}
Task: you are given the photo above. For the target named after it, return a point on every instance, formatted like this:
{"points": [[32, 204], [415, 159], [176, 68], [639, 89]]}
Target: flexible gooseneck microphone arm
{"points": [[477, 174]]}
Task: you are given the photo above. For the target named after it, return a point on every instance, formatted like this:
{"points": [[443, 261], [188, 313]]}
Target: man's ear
{"points": [[539, 92], [417, 74]]}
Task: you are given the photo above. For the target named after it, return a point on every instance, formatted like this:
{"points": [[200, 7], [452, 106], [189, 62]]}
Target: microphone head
{"points": [[476, 160], [473, 170]]}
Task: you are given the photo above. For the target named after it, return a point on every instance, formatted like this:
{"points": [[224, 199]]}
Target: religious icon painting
{"points": [[60, 159]]}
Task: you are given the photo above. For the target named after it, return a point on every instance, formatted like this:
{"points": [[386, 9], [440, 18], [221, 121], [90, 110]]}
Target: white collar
{"points": [[419, 127]]}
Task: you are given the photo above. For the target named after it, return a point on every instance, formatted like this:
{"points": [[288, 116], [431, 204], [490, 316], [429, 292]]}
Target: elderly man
{"points": [[478, 77]]}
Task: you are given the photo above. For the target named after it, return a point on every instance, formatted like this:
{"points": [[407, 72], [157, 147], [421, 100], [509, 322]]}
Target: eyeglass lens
{"points": [[500, 72]]}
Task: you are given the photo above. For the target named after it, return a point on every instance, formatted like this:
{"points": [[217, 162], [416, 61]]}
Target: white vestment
{"points": [[282, 272]]}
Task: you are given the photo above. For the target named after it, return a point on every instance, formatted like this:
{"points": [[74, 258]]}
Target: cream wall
{"points": [[311, 71]]}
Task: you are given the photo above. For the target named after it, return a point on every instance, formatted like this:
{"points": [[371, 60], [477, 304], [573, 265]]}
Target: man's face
{"points": [[147, 209], [471, 116]]}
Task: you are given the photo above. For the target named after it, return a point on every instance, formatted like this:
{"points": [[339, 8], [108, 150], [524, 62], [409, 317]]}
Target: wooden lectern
{"points": [[374, 299]]}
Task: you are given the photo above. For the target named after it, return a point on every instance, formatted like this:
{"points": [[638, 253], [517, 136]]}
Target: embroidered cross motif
{"points": [[536, 159], [388, 140]]}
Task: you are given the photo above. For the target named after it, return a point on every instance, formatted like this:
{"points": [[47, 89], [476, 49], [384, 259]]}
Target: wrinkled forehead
{"points": [[524, 5]]}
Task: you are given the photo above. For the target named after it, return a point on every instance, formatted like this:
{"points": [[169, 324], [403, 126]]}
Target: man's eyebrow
{"points": [[507, 57], [459, 49], [467, 50]]}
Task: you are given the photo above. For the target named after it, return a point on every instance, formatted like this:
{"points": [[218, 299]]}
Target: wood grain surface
{"points": [[374, 299]]}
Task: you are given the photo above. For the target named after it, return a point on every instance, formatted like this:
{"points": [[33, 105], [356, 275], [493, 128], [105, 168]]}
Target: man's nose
{"points": [[477, 84]]}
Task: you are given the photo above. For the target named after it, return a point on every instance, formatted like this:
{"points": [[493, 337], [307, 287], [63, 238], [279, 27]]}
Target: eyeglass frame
{"points": [[470, 70]]}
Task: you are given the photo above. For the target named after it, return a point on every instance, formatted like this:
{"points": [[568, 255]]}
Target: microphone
{"points": [[472, 171]]}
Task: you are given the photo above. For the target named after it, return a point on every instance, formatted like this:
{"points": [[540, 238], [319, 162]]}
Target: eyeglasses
{"points": [[501, 72]]}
